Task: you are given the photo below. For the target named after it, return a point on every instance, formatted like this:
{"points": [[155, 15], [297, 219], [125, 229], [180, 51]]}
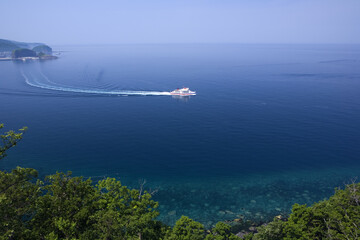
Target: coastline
{"points": [[6, 59], [24, 59]]}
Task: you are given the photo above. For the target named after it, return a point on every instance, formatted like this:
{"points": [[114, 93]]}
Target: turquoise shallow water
{"points": [[271, 125]]}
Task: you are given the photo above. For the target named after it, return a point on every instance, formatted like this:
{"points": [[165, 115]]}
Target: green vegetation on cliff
{"points": [[335, 218], [61, 206], [23, 52], [9, 46], [44, 49]]}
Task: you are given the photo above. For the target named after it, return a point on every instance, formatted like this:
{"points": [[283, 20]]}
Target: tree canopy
{"points": [[335, 218]]}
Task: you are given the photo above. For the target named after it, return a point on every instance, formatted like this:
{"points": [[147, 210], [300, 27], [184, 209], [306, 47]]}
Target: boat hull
{"points": [[183, 94]]}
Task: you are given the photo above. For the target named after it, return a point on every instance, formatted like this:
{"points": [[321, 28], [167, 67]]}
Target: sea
{"points": [[271, 125]]}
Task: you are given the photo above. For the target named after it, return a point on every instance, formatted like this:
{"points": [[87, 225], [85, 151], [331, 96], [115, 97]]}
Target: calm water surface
{"points": [[271, 125]]}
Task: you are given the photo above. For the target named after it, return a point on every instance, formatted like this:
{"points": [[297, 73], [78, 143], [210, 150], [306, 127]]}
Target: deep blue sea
{"points": [[271, 125]]}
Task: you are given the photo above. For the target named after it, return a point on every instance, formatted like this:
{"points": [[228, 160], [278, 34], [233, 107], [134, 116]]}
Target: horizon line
{"points": [[210, 43]]}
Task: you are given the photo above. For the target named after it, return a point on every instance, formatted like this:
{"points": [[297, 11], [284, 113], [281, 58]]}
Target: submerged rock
{"points": [[171, 213], [221, 213], [229, 212]]}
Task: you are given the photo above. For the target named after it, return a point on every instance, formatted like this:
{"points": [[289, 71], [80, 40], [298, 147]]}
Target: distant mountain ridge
{"points": [[9, 45]]}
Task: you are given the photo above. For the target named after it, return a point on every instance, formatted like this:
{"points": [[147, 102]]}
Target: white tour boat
{"points": [[183, 92]]}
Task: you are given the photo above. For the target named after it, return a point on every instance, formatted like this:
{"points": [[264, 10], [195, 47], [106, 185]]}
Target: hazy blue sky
{"points": [[169, 21]]}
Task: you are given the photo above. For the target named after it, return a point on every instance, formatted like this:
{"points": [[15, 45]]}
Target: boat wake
{"points": [[34, 81]]}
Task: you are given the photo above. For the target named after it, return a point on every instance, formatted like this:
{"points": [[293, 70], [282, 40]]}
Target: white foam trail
{"points": [[48, 80], [37, 84]]}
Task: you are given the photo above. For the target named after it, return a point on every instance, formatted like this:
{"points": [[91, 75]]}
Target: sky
{"points": [[180, 21]]}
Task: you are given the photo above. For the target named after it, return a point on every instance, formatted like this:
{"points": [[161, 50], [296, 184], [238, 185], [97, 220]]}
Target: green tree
{"points": [[186, 229], [221, 231], [125, 213], [10, 139], [336, 218], [65, 210], [18, 194], [155, 230], [73, 208], [272, 231]]}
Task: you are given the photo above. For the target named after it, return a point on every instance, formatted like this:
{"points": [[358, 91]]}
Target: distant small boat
{"points": [[183, 92]]}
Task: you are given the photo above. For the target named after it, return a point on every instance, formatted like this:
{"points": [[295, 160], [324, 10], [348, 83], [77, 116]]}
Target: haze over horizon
{"points": [[160, 21]]}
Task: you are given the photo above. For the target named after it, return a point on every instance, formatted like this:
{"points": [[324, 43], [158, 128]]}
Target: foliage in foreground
{"points": [[10, 139], [66, 207], [335, 218]]}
